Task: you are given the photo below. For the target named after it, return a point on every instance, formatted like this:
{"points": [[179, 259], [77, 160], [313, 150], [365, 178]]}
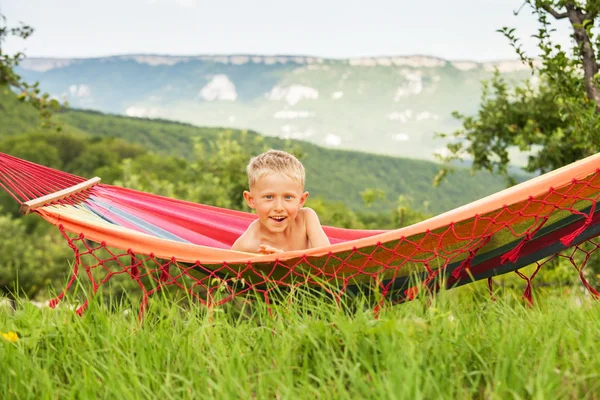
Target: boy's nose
{"points": [[278, 205]]}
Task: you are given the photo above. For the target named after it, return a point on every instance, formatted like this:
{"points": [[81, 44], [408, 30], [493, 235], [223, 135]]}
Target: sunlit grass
{"points": [[459, 344]]}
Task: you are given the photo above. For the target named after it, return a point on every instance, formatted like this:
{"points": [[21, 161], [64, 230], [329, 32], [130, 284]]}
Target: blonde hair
{"points": [[275, 161]]}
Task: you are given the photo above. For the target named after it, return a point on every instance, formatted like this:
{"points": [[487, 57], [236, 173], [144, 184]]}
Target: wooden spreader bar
{"points": [[31, 205]]}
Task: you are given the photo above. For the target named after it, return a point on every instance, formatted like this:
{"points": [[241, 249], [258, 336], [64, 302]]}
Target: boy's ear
{"points": [[249, 199], [303, 198]]}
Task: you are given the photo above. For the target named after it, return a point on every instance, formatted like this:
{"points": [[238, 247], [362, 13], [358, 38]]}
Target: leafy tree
{"points": [[10, 80], [371, 195], [555, 122], [30, 263], [335, 214]]}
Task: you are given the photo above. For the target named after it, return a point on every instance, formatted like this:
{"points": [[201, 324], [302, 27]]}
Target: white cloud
{"points": [[293, 94], [80, 90], [141, 112], [413, 85], [219, 88], [333, 140], [292, 132], [403, 116]]}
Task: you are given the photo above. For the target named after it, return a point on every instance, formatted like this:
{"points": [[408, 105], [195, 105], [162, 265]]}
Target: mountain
{"points": [[385, 105], [333, 174]]}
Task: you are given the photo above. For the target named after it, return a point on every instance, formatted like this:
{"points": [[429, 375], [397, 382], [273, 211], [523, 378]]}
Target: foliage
{"points": [[66, 152], [555, 121], [30, 262], [28, 93], [331, 174], [336, 214], [334, 175], [220, 167], [370, 196]]}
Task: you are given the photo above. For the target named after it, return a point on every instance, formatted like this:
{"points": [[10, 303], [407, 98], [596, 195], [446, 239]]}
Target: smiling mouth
{"points": [[278, 219]]}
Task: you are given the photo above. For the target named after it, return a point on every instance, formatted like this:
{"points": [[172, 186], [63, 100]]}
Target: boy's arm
{"points": [[314, 230], [239, 245], [266, 249], [244, 243], [248, 244]]}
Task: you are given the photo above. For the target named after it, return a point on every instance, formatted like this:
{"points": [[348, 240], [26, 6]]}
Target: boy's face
{"points": [[276, 198]]}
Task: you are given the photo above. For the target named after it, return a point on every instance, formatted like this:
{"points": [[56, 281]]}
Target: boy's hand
{"points": [[266, 249]]}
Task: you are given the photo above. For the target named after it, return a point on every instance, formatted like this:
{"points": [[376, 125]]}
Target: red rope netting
{"points": [[215, 286], [561, 224], [387, 272]]}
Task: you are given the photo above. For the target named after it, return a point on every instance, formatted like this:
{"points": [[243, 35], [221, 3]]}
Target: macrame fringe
{"points": [[568, 239]]}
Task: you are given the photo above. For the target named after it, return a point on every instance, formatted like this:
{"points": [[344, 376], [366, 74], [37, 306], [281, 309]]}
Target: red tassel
{"points": [[81, 309], [376, 311], [411, 293], [567, 239], [527, 294], [466, 265], [513, 255], [430, 278], [593, 292]]}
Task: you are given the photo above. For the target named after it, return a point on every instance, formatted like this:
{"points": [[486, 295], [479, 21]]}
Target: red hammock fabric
{"points": [[198, 223], [159, 241]]}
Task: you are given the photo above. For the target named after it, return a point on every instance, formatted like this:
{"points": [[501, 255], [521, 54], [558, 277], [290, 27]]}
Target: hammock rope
{"points": [[160, 242]]}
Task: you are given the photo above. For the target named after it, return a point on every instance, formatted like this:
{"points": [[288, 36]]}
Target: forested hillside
{"points": [[384, 105], [333, 175]]}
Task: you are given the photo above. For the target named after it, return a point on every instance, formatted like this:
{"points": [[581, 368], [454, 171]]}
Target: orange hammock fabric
{"points": [[174, 242]]}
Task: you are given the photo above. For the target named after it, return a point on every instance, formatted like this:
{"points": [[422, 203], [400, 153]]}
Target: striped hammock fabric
{"points": [[175, 242]]}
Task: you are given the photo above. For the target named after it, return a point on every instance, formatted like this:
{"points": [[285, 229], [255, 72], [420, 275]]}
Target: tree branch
{"points": [[587, 52], [520, 8], [555, 13], [591, 15], [593, 9]]}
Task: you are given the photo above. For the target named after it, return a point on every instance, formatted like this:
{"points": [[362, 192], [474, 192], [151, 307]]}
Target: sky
{"points": [[449, 29]]}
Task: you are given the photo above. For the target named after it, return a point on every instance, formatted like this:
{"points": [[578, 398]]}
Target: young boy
{"points": [[276, 183]]}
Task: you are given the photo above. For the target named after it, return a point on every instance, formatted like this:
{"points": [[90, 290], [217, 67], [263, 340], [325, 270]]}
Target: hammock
{"points": [[163, 241]]}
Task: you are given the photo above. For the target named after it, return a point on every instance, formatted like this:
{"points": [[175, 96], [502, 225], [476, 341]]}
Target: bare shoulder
{"points": [[308, 214], [248, 242], [314, 231]]}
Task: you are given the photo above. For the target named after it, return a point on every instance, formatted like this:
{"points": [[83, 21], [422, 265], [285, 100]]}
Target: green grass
{"points": [[458, 345]]}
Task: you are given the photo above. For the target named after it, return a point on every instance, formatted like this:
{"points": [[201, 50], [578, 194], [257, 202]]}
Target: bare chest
{"points": [[296, 239]]}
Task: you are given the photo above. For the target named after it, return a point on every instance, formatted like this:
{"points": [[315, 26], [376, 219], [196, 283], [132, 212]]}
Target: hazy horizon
{"points": [[460, 30], [274, 55]]}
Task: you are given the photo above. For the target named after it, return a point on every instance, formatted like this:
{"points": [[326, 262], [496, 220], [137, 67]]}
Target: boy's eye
{"points": [[289, 197], [268, 197]]}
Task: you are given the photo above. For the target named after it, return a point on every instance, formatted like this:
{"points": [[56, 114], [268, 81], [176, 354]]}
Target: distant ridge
{"points": [[390, 105], [47, 63]]}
